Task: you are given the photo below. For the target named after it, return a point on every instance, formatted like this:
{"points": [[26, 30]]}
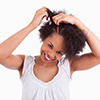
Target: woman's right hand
{"points": [[39, 15]]}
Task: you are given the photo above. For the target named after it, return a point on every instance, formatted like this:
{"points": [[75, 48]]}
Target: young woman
{"points": [[47, 76]]}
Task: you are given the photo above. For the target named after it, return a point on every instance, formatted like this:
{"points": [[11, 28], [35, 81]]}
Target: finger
{"points": [[42, 9], [60, 20], [59, 15], [44, 14], [56, 19]]}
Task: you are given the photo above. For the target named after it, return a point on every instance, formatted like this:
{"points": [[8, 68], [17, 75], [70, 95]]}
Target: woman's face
{"points": [[52, 48]]}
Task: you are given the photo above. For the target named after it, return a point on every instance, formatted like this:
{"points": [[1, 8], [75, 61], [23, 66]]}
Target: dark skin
{"points": [[46, 69], [46, 63]]}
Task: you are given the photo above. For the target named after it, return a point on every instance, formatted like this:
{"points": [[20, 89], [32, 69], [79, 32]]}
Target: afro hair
{"points": [[74, 39]]}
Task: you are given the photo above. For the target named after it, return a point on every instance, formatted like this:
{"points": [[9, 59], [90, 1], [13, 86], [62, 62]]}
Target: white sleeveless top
{"points": [[35, 89]]}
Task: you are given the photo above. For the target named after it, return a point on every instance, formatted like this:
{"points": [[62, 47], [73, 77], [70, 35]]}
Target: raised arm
{"points": [[89, 60], [85, 61], [8, 46]]}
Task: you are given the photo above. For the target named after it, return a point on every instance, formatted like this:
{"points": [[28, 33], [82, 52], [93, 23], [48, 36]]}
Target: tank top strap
{"points": [[64, 63], [28, 61]]}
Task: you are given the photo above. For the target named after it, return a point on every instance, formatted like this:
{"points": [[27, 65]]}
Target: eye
{"points": [[50, 46], [59, 53]]}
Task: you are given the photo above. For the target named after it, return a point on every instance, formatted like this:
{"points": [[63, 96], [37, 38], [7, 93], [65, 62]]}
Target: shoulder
{"points": [[67, 64], [27, 59], [64, 64], [65, 61]]}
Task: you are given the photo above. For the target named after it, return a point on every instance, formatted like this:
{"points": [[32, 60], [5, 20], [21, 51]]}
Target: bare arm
{"points": [[91, 39], [89, 60], [85, 61], [8, 46]]}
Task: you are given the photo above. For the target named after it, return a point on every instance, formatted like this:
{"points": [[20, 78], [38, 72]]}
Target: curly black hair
{"points": [[74, 39]]}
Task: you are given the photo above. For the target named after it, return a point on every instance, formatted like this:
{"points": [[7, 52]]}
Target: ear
{"points": [[42, 40]]}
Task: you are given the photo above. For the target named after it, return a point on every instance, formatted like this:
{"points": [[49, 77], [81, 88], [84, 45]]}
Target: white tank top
{"points": [[35, 89]]}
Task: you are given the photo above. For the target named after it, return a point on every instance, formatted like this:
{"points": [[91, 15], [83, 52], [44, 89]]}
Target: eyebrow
{"points": [[53, 46]]}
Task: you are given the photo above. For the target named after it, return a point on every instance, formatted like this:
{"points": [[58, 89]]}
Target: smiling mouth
{"points": [[47, 58]]}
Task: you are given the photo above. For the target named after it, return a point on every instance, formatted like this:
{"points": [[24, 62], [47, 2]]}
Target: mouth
{"points": [[47, 58]]}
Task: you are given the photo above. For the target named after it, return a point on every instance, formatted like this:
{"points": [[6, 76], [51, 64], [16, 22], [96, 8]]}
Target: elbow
{"points": [[2, 56], [99, 56], [98, 59]]}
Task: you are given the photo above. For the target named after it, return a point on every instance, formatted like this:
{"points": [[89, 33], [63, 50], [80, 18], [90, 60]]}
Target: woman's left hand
{"points": [[64, 18]]}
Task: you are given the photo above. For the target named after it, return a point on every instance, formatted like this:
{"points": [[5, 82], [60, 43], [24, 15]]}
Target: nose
{"points": [[52, 55]]}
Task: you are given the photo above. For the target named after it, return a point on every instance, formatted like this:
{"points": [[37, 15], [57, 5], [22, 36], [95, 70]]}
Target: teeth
{"points": [[47, 57]]}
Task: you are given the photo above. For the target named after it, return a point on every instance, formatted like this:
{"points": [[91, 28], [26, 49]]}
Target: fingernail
{"points": [[50, 23]]}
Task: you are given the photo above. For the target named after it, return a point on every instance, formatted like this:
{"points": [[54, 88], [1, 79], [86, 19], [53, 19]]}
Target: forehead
{"points": [[57, 40]]}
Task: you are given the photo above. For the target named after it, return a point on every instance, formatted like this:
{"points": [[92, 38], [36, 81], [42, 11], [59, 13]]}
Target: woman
{"points": [[47, 76]]}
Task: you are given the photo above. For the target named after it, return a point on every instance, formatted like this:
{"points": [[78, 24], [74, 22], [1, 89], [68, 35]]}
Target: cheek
{"points": [[58, 57], [44, 48]]}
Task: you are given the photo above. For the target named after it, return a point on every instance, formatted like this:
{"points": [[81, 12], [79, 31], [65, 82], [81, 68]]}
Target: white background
{"points": [[16, 14]]}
